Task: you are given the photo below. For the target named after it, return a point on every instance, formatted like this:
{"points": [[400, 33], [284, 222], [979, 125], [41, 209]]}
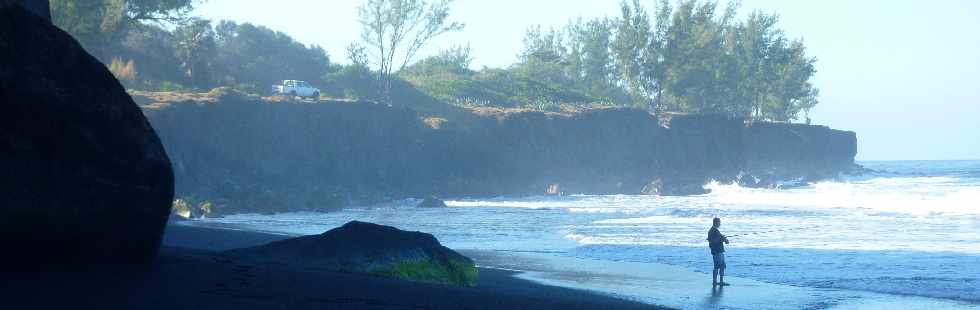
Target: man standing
{"points": [[716, 241]]}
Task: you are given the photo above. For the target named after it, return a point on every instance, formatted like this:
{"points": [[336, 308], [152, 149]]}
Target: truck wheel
{"points": [[292, 95], [316, 96]]}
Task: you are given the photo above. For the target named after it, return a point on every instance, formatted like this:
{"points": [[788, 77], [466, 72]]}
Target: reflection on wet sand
{"points": [[716, 292]]}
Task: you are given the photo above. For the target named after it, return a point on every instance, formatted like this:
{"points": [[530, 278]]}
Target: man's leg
{"points": [[714, 276], [714, 271], [721, 269]]}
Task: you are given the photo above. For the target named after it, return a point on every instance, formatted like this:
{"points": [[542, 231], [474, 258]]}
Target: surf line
{"points": [[533, 251]]}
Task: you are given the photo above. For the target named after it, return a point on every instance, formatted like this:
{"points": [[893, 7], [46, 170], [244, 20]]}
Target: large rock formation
{"points": [[775, 152], [247, 154], [369, 248], [84, 177], [41, 8]]}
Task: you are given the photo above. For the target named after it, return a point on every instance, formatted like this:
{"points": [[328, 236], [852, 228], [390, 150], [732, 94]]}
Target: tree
{"points": [[196, 51], [694, 69], [542, 67], [158, 11], [454, 60], [789, 90], [397, 29], [100, 24], [357, 55], [629, 48], [253, 57], [758, 39], [544, 56], [654, 65], [589, 62]]}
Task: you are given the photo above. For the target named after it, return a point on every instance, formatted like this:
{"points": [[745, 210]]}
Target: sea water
{"points": [[909, 228]]}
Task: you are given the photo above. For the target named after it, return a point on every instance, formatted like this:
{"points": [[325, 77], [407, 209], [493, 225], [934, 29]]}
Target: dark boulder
{"points": [[369, 248], [85, 179], [432, 202], [41, 8]]}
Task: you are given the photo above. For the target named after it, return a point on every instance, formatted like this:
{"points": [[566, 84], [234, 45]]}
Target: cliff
{"points": [[253, 154]]}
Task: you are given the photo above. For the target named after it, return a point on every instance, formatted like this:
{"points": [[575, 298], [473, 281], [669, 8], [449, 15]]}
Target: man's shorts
{"points": [[719, 260]]}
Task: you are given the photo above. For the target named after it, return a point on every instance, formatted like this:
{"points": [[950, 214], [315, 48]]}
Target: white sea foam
{"points": [[874, 196]]}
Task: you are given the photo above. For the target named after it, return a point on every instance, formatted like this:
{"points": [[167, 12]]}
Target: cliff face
{"points": [[249, 154], [780, 152]]}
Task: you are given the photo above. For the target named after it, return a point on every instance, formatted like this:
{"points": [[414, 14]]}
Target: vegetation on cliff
{"points": [[689, 58], [694, 57]]}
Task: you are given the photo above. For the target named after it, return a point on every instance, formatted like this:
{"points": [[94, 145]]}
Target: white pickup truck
{"points": [[296, 88]]}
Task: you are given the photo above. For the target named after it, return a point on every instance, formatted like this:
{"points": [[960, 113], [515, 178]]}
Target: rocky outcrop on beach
{"points": [[369, 248], [85, 179], [251, 154]]}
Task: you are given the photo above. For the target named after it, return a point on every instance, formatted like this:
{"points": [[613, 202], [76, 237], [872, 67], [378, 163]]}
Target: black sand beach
{"points": [[190, 274]]}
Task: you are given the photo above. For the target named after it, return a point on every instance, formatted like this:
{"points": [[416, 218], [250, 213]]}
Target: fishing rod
{"points": [[775, 230]]}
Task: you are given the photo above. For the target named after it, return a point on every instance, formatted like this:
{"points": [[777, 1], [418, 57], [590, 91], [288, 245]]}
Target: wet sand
{"points": [[190, 274], [674, 286]]}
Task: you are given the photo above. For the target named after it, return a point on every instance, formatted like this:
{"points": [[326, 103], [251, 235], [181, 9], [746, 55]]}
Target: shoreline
{"points": [[190, 273], [674, 286]]}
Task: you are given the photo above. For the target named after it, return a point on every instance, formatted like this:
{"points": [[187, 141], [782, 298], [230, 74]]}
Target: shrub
{"points": [[124, 71], [351, 82]]}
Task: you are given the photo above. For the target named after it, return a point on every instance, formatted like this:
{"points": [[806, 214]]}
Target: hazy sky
{"points": [[903, 74]]}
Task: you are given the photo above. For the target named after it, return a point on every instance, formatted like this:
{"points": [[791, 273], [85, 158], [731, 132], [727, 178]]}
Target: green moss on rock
{"points": [[454, 272]]}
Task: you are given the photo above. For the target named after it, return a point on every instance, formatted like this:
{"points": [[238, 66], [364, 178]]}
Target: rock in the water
{"points": [[661, 188], [181, 211], [85, 179], [684, 189], [369, 248], [432, 202], [653, 188]]}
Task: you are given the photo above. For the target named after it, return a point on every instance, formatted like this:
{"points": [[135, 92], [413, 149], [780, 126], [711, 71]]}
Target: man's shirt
{"points": [[716, 241]]}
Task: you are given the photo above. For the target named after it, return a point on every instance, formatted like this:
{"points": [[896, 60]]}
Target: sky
{"points": [[903, 74]]}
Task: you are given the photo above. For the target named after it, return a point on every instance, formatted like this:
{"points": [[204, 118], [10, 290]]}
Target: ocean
{"points": [[910, 231]]}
